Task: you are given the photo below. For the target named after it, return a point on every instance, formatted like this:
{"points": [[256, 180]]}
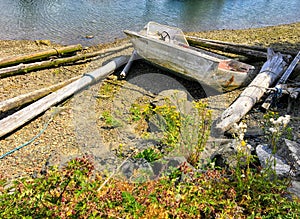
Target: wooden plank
{"points": [[256, 52], [193, 39], [228, 48], [26, 114], [38, 55], [269, 100], [270, 72], [23, 99], [26, 68]]}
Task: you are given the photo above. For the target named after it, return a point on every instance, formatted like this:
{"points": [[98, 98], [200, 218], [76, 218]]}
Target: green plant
{"points": [[167, 118], [183, 133], [120, 151], [109, 87], [289, 133], [249, 181], [149, 154], [136, 112], [73, 192], [107, 90], [110, 120], [131, 205], [276, 127], [186, 133], [56, 71], [58, 194], [139, 109], [194, 131]]}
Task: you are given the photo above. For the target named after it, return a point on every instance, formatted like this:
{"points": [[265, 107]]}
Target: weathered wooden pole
{"points": [[14, 60], [23, 99], [270, 71], [245, 50], [19, 118], [26, 68], [256, 52]]}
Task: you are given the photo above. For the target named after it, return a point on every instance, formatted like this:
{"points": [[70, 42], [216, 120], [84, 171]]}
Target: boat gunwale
{"points": [[190, 50], [185, 49]]}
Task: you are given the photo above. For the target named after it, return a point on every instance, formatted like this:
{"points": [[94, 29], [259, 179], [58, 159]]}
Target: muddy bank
{"points": [[78, 125]]}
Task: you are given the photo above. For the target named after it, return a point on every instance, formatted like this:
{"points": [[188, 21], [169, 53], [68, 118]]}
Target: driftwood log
{"points": [[19, 118], [25, 68], [23, 99], [14, 60], [255, 52], [269, 73], [244, 50], [269, 100], [198, 39]]}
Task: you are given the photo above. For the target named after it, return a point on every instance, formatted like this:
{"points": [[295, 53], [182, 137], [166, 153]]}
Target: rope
{"points": [[268, 71], [265, 88], [31, 140], [278, 92], [111, 175]]}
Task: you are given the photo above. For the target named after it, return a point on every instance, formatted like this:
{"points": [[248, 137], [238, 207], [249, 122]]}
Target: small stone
{"points": [[290, 151], [226, 154], [89, 36], [137, 170], [266, 159], [43, 42]]}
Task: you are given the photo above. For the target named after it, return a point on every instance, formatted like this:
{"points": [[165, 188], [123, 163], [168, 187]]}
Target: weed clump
{"points": [[182, 134], [78, 191], [73, 192]]}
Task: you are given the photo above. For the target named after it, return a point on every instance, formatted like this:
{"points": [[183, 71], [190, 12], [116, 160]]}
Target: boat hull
{"points": [[219, 72]]}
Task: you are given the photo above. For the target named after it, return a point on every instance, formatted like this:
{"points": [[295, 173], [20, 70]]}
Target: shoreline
{"points": [[286, 36], [60, 137], [274, 35]]}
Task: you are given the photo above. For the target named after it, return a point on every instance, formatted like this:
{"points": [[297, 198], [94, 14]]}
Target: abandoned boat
{"points": [[167, 47]]}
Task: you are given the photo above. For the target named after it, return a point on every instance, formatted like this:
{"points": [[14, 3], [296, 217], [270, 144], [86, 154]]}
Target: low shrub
{"points": [[73, 192]]}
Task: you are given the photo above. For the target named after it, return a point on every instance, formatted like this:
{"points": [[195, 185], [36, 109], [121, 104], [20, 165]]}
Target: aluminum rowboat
{"points": [[167, 47]]}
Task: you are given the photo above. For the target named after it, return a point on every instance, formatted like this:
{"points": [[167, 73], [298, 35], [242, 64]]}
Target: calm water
{"points": [[70, 21]]}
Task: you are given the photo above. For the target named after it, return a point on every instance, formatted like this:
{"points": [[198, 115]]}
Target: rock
{"points": [[156, 123], [253, 132], [140, 170], [212, 146], [89, 36], [137, 170], [178, 98], [266, 159], [225, 156], [166, 165], [43, 42], [290, 152], [295, 188], [287, 159], [143, 144]]}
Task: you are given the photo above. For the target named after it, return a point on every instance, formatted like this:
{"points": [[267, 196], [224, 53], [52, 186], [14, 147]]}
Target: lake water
{"points": [[70, 21]]}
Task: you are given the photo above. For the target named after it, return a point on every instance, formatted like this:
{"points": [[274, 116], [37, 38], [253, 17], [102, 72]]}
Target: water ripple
{"points": [[69, 21]]}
